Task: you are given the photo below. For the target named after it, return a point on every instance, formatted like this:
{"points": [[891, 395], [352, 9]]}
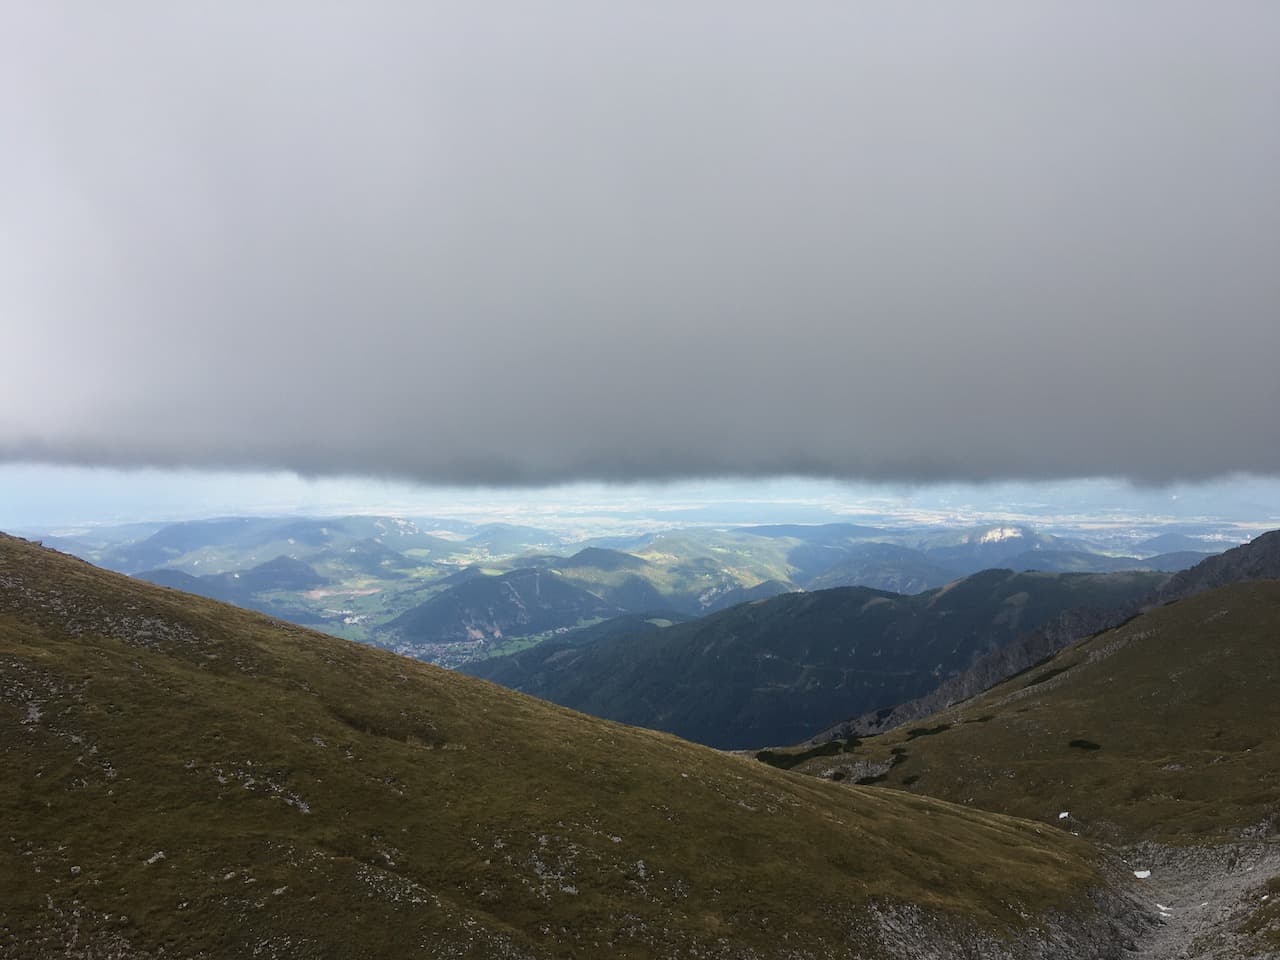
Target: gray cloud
{"points": [[530, 242]]}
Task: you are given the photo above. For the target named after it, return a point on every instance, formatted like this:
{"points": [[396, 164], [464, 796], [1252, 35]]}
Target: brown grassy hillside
{"points": [[181, 778]]}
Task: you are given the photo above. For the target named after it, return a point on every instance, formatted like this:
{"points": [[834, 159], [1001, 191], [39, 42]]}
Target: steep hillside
{"points": [[1259, 559], [1156, 736], [1160, 729], [778, 670], [514, 668], [1024, 652], [181, 778]]}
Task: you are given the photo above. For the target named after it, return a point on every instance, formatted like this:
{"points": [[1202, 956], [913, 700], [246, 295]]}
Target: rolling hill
{"points": [[692, 582], [485, 611], [268, 588], [183, 778], [236, 543], [282, 573]]}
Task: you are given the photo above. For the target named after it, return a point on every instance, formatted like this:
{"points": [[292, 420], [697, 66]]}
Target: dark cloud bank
{"points": [[529, 242]]}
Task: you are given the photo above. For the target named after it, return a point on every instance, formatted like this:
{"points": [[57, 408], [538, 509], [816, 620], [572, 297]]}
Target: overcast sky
{"points": [[536, 242]]}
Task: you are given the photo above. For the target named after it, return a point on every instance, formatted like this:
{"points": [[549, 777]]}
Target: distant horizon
{"points": [[51, 500]]}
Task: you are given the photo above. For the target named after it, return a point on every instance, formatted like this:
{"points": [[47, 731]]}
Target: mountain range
{"points": [[377, 578], [777, 670]]}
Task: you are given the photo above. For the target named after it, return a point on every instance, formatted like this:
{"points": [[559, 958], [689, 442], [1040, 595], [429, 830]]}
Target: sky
{"points": [[571, 242]]}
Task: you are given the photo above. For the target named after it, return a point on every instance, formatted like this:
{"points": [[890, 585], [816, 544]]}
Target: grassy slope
{"points": [[185, 776], [1182, 702]]}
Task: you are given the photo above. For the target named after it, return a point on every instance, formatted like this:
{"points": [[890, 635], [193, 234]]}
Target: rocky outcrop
{"points": [[1114, 929]]}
